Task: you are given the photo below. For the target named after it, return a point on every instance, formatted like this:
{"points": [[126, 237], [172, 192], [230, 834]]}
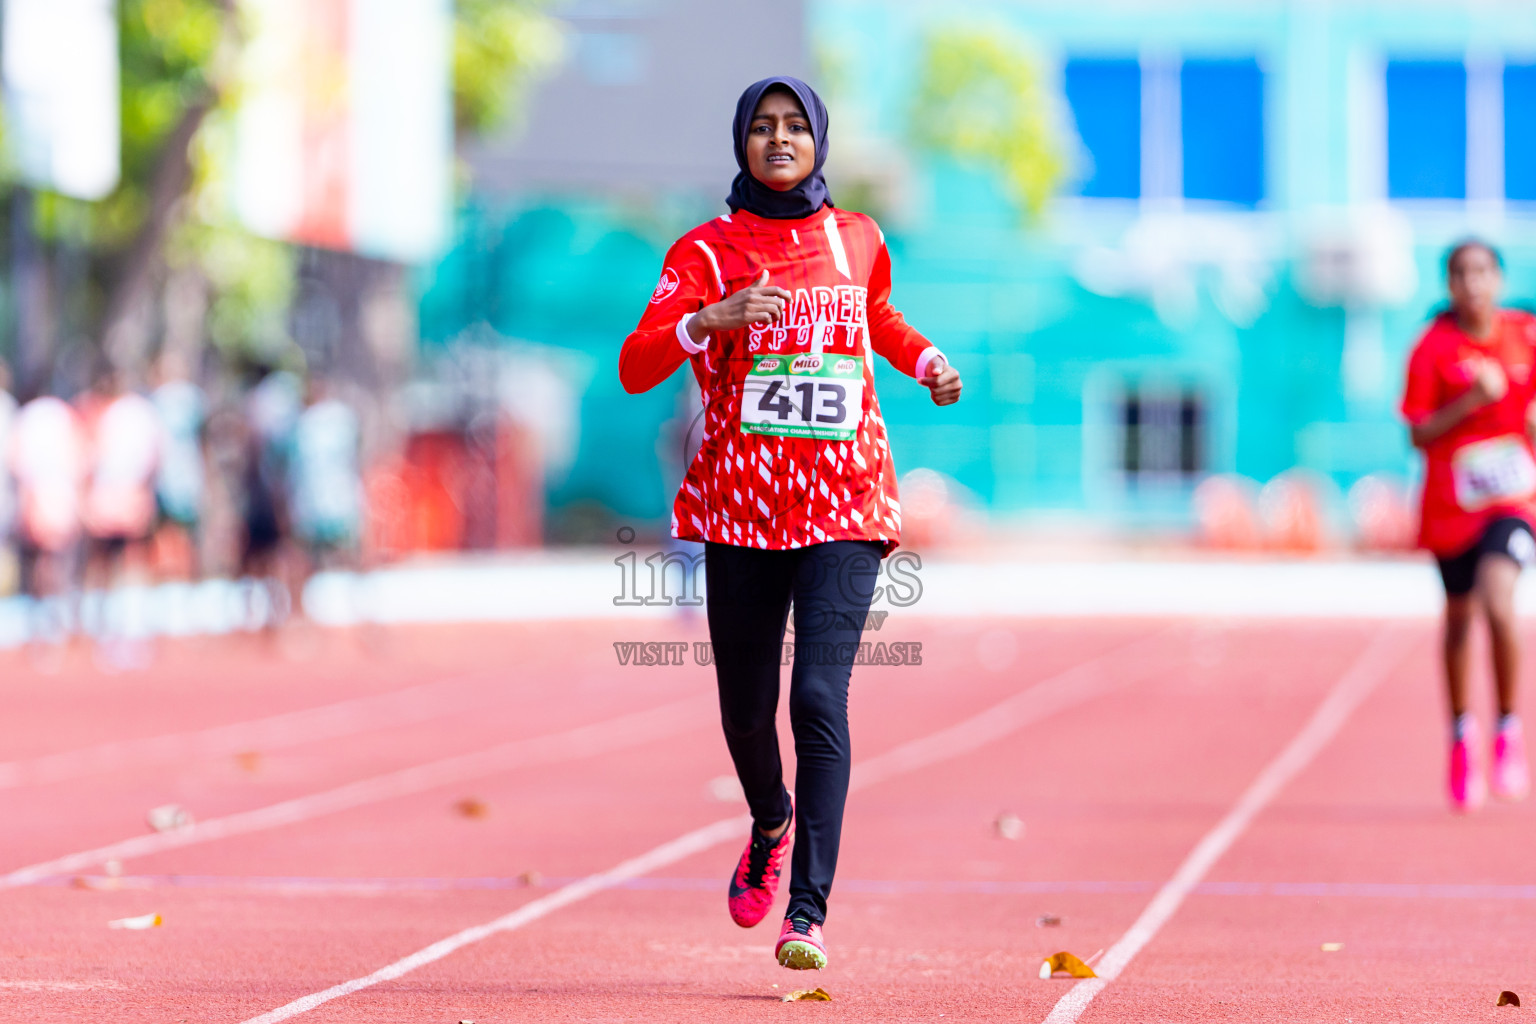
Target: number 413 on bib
{"points": [[807, 395]]}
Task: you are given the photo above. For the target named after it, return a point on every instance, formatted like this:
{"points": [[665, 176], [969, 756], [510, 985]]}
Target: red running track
{"points": [[1120, 747]]}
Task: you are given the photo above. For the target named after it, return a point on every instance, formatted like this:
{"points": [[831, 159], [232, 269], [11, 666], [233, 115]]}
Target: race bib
{"points": [[1493, 472], [805, 395]]}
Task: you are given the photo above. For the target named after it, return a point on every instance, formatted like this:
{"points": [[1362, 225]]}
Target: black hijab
{"points": [[747, 193]]}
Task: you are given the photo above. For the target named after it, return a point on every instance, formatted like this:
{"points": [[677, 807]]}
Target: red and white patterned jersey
{"points": [[1483, 468], [792, 447]]}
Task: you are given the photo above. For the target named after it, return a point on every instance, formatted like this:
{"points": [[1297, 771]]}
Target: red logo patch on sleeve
{"points": [[666, 286]]}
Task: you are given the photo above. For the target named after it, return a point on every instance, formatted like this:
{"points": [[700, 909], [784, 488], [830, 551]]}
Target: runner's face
{"points": [[1474, 281], [780, 149]]}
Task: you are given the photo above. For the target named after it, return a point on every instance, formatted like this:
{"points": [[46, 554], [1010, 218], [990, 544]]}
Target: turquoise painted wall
{"points": [[1043, 354]]}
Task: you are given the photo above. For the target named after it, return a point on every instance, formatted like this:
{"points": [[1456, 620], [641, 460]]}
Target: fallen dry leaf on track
{"points": [[137, 924], [1067, 962], [532, 879], [1508, 998], [472, 808], [107, 883], [250, 760], [1047, 921], [809, 995]]}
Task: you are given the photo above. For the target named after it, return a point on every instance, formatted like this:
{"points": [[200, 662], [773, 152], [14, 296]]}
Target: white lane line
{"points": [[1369, 669], [368, 887], [1061, 691], [667, 853], [309, 725], [1074, 686], [29, 985], [588, 740]]}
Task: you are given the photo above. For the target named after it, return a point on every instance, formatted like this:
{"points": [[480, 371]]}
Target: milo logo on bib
{"points": [[807, 395]]}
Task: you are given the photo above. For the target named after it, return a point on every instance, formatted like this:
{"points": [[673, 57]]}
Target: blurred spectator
{"points": [[8, 407], [125, 441], [325, 478], [179, 483], [48, 461], [221, 533], [271, 412]]}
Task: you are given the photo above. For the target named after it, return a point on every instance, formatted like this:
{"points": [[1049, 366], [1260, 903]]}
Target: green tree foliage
{"points": [[499, 47], [179, 87], [980, 99], [168, 51], [170, 70]]}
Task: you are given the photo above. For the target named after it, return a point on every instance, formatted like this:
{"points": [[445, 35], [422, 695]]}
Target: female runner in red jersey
{"points": [[779, 307], [1468, 402]]}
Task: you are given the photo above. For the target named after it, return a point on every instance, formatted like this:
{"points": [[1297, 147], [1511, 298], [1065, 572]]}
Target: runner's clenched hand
{"points": [[758, 303], [942, 382], [1490, 384]]}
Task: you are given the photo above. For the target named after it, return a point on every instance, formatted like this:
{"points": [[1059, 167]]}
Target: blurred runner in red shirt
{"points": [[126, 438], [49, 461], [1468, 402], [779, 308]]}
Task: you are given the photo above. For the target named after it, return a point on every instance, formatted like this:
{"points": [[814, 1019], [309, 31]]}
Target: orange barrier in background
{"points": [[450, 491]]}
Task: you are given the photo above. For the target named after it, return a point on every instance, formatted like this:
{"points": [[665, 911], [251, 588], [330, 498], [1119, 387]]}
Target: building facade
{"points": [[1243, 245]]}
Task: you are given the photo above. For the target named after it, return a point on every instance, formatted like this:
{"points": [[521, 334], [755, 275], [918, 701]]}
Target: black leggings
{"points": [[749, 593]]}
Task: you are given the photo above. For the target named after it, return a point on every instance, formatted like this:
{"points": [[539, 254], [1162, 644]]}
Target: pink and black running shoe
{"points": [[1511, 777], [1469, 787], [801, 947], [756, 879]]}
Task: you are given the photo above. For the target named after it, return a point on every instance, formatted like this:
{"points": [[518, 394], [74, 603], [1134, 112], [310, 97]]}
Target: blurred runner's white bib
{"points": [[805, 395], [1492, 472]]}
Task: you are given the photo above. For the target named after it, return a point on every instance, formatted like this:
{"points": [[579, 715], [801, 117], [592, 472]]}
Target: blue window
{"points": [[1106, 102], [1221, 108], [1426, 130], [1520, 131]]}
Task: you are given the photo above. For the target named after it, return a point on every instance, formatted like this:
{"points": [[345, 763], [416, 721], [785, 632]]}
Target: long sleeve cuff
{"points": [[689, 345], [928, 356]]}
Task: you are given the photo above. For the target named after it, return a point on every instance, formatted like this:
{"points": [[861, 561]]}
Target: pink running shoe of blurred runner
{"points": [[756, 879], [1511, 777], [1469, 787]]}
